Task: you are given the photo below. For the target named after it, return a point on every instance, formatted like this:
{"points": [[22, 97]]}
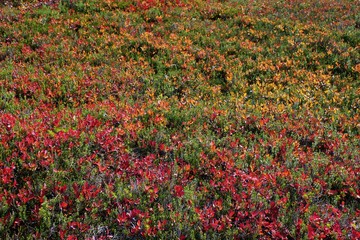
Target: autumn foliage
{"points": [[179, 119]]}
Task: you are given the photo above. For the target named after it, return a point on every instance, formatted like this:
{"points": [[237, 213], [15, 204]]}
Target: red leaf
{"points": [[179, 191], [311, 232], [121, 218], [71, 237], [63, 205], [356, 234]]}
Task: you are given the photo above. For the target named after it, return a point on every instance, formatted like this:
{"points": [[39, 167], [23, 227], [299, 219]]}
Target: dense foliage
{"points": [[179, 119]]}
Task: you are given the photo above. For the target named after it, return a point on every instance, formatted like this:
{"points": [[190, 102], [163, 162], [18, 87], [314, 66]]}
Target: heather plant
{"points": [[179, 119]]}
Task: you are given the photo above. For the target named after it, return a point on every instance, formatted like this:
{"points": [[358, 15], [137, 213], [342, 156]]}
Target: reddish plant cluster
{"points": [[179, 120]]}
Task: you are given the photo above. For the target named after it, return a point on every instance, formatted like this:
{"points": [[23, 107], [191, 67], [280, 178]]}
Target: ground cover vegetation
{"points": [[179, 119]]}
